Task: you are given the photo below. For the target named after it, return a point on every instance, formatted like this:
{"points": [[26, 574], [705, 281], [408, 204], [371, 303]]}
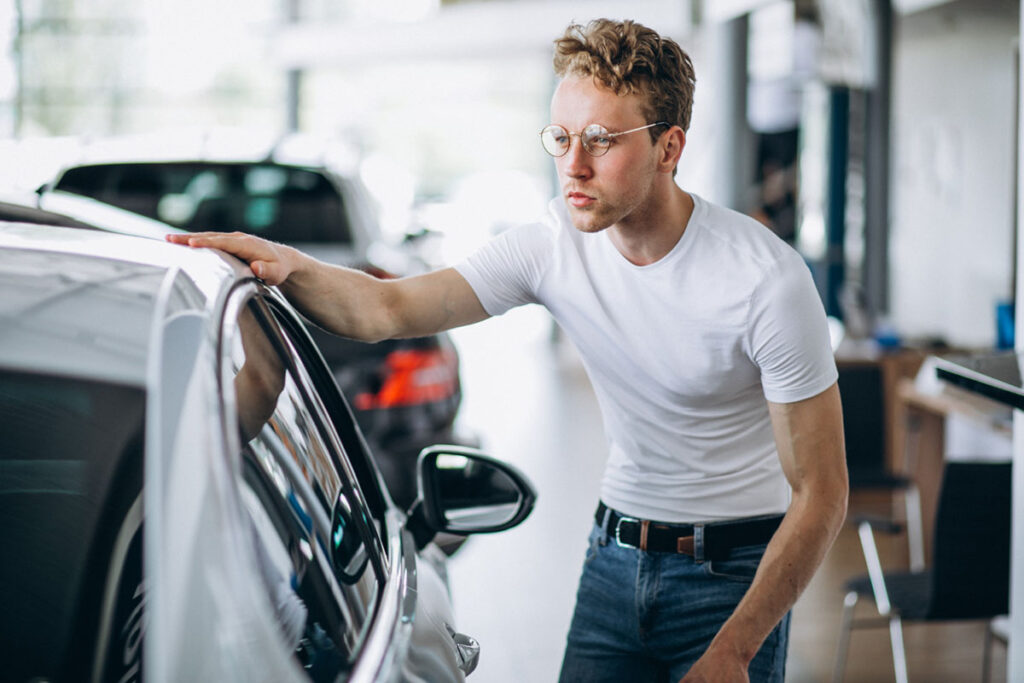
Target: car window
{"points": [[323, 384], [71, 466], [317, 554], [283, 203]]}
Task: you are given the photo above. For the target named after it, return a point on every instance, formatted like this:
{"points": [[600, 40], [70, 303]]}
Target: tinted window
{"points": [[70, 501], [294, 573], [342, 420], [281, 203], [307, 515]]}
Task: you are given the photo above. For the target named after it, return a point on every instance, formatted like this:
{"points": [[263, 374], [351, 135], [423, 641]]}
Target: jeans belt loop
{"points": [[604, 524], [698, 543]]}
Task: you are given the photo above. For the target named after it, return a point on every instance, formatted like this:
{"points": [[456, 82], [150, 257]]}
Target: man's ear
{"points": [[671, 146]]}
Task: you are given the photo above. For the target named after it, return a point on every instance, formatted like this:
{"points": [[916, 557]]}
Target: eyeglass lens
{"points": [[557, 140]]}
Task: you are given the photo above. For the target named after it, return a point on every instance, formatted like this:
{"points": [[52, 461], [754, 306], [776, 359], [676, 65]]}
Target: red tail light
{"points": [[413, 377]]}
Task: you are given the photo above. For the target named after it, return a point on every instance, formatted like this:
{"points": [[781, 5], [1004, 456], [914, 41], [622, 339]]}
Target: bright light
{"points": [[399, 11], [8, 77], [452, 462], [393, 186], [191, 43], [811, 235]]}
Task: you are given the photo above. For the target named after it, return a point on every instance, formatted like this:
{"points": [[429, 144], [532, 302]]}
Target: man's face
{"points": [[609, 189]]}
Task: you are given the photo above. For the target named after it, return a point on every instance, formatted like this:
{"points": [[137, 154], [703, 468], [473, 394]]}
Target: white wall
{"points": [[954, 102], [1015, 658]]}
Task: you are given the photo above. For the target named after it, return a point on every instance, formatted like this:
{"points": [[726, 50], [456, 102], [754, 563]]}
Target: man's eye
{"points": [[562, 139]]}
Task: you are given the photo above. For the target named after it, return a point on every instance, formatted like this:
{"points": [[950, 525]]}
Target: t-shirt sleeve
{"points": [[506, 272], [789, 339]]}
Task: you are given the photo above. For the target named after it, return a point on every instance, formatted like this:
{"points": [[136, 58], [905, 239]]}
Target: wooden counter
{"points": [[897, 425], [921, 427]]}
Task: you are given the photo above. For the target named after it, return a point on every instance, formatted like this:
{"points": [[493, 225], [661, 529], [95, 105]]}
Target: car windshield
{"points": [[283, 203], [70, 501]]}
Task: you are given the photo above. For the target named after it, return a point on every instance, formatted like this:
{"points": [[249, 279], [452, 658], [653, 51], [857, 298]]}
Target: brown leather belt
{"points": [[660, 537]]}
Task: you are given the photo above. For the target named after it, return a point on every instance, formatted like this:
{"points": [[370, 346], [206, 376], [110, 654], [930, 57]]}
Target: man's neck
{"points": [[648, 236]]}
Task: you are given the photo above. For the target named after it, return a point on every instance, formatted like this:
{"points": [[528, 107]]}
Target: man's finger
{"points": [[218, 240], [270, 272], [192, 239]]}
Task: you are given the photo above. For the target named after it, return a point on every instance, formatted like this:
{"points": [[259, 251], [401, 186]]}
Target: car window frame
{"points": [[335, 404], [315, 382], [296, 364], [344, 451]]}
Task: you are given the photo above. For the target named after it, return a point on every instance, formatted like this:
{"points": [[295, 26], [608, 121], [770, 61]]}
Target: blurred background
{"points": [[879, 137], [863, 131]]}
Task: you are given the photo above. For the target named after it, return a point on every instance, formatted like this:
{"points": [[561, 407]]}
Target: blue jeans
{"points": [[644, 616]]}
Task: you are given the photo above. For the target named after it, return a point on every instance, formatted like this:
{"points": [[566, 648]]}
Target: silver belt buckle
{"points": [[618, 529]]}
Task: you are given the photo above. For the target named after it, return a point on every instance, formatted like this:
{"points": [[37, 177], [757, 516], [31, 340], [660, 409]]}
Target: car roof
{"points": [[222, 145], [84, 303]]}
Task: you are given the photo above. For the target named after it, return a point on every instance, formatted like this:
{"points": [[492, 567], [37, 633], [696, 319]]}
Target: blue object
{"points": [[1005, 322]]}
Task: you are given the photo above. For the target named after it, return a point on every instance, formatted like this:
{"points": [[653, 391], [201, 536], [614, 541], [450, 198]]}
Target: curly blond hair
{"points": [[627, 57]]}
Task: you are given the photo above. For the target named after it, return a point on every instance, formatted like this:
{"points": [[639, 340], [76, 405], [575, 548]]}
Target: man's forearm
{"points": [[790, 560], [359, 306], [809, 437], [341, 300]]}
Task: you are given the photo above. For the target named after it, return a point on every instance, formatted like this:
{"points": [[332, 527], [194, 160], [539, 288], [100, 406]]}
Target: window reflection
{"points": [[266, 395], [308, 525]]}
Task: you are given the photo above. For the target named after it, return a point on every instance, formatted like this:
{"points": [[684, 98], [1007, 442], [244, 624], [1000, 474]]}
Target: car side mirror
{"points": [[464, 491]]}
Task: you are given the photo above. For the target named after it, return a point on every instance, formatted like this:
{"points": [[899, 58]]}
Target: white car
{"points": [[405, 393], [185, 494]]}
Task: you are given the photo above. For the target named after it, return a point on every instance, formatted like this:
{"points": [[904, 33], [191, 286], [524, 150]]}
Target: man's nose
{"points": [[576, 162]]}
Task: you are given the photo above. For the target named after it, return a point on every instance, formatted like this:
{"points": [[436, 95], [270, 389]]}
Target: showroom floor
{"points": [[531, 404]]}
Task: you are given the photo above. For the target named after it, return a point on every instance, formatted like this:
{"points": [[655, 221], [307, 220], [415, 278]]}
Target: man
{"points": [[706, 344]]}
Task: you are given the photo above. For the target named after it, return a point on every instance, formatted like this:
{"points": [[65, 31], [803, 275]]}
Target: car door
{"points": [[412, 637]]}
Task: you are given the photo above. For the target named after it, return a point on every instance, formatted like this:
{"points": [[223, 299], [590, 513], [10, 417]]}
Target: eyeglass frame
{"points": [[580, 136]]}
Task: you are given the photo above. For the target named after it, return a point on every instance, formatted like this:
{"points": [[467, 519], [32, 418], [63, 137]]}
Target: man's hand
{"points": [[716, 666], [269, 261]]}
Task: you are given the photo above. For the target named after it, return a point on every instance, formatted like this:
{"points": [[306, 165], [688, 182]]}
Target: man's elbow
{"points": [[826, 500], [378, 317], [836, 501]]}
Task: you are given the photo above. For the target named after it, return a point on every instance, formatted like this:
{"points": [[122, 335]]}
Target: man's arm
{"points": [[809, 437], [349, 302]]}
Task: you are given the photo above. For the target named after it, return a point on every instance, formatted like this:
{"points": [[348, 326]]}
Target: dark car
{"points": [[185, 493], [406, 393]]}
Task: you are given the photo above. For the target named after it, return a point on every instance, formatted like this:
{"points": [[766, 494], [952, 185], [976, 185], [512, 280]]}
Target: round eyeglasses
{"points": [[595, 138]]}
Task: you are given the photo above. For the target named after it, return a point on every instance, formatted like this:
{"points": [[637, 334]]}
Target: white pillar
{"points": [[734, 163]]}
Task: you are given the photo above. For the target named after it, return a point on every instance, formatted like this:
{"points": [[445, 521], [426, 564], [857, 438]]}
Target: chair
{"points": [[864, 415], [998, 630], [969, 576]]}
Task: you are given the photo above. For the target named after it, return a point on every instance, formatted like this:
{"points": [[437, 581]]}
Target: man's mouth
{"points": [[579, 200]]}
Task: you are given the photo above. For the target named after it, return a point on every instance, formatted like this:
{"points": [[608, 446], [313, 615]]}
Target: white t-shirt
{"points": [[682, 353]]}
